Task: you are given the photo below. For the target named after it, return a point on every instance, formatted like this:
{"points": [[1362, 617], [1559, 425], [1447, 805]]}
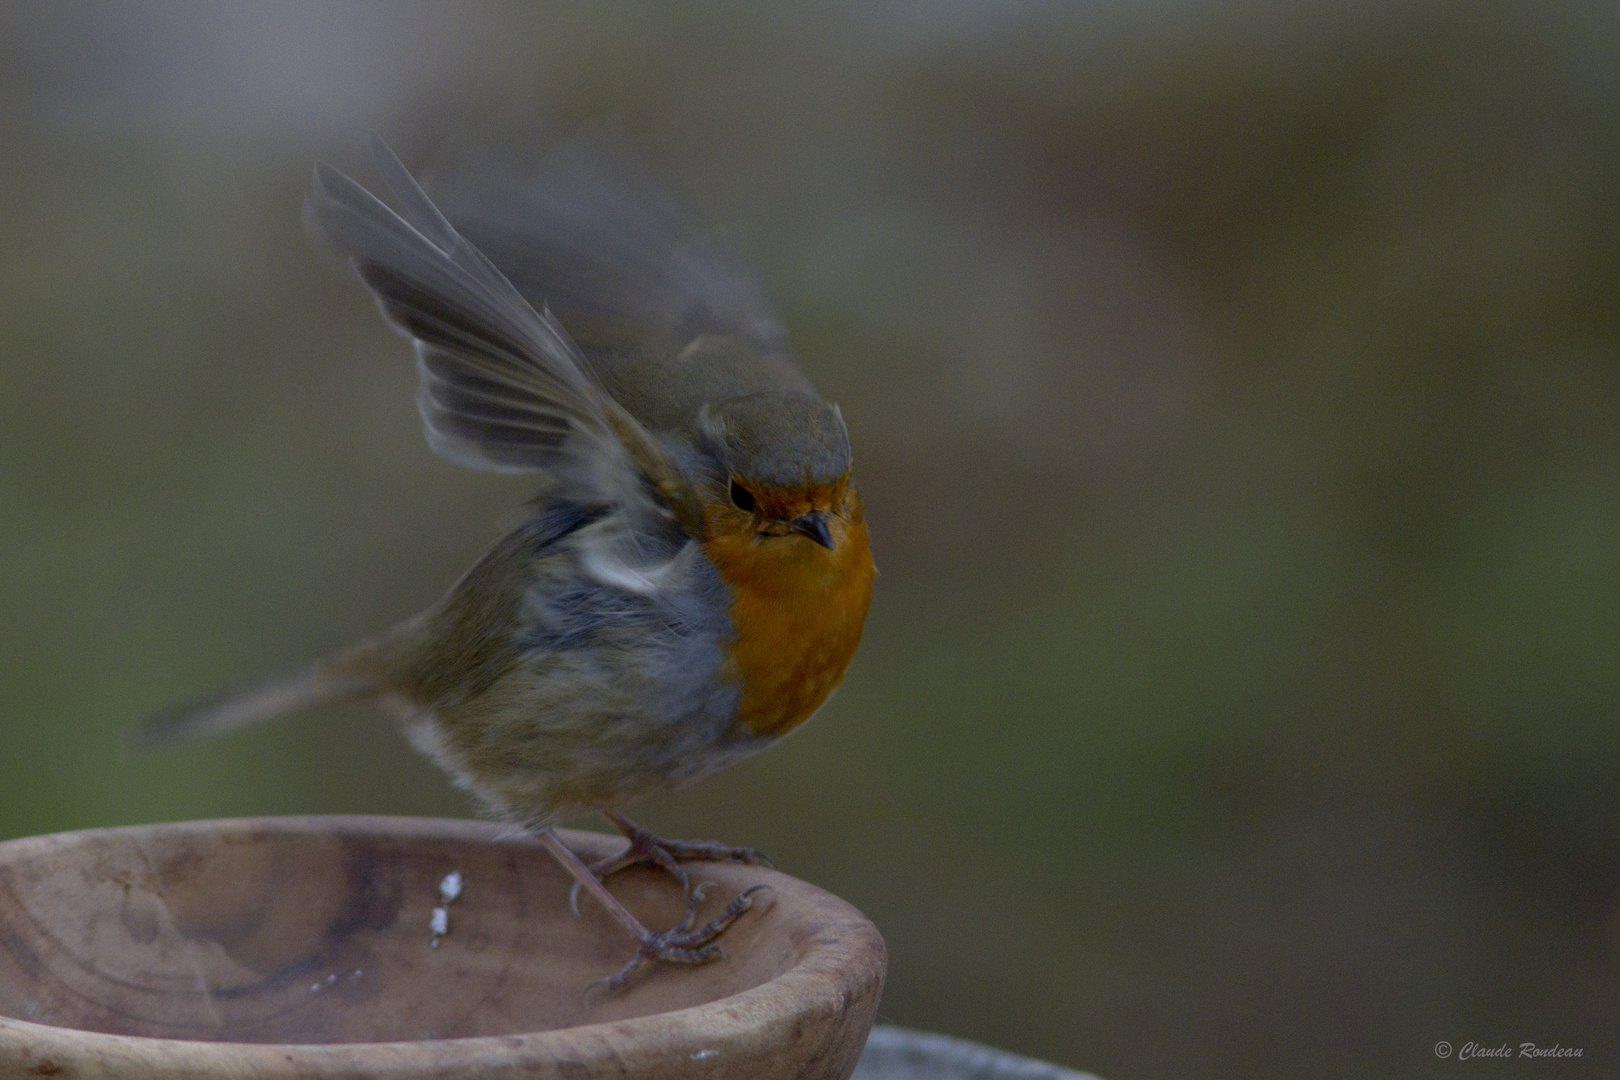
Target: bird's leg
{"points": [[680, 944], [666, 854]]}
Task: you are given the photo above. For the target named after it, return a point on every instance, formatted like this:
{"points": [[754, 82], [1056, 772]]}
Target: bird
{"points": [[690, 579]]}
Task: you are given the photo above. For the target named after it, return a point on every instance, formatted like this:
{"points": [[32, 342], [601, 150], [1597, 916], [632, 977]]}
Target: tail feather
{"points": [[244, 704]]}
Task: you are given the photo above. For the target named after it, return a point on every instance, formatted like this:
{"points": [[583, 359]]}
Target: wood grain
{"points": [[300, 947]]}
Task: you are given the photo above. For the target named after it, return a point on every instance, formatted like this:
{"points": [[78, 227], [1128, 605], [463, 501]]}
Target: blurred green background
{"points": [[1235, 391]]}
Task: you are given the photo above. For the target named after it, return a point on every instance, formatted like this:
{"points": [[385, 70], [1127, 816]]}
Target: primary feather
{"points": [[582, 232], [503, 386]]}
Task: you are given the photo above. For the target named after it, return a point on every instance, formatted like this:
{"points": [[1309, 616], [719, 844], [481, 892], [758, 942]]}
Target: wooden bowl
{"points": [[301, 947]]}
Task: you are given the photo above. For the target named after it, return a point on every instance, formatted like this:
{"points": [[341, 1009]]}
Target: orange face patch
{"points": [[798, 608]]}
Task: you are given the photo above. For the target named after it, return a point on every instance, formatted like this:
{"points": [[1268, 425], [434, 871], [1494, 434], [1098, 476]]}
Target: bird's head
{"points": [[782, 478]]}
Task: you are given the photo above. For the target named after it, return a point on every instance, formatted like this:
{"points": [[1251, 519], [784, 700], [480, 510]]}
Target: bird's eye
{"points": [[741, 498]]}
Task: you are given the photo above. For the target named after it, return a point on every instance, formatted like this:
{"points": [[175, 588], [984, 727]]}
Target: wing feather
{"points": [[583, 232], [503, 387]]}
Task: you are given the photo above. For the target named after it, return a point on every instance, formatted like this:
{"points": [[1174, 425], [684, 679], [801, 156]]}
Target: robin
{"points": [[694, 572]]}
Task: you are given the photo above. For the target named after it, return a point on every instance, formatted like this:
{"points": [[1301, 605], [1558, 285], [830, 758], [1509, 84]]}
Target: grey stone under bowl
{"points": [[894, 1053]]}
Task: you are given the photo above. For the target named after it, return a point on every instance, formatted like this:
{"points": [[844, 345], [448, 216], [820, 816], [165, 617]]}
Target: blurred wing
{"points": [[583, 234], [502, 386]]}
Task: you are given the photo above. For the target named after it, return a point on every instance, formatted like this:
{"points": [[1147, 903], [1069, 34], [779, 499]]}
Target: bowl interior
{"points": [[318, 930]]}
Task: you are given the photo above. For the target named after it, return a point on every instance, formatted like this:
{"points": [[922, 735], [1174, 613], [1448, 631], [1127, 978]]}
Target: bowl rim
{"points": [[842, 969]]}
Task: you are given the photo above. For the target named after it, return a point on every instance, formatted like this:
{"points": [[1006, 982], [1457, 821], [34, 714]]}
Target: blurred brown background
{"points": [[1235, 390]]}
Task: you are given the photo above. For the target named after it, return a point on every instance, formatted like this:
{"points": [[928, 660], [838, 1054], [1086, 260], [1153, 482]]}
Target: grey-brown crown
{"points": [[779, 438]]}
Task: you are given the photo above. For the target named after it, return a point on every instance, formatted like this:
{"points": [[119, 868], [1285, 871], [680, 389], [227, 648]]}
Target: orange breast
{"points": [[798, 610]]}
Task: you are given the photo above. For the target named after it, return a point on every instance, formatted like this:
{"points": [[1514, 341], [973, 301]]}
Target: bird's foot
{"points": [[665, 854], [681, 944]]}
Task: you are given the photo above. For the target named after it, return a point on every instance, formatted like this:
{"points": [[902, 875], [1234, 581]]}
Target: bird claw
{"points": [[681, 944], [667, 855], [709, 851]]}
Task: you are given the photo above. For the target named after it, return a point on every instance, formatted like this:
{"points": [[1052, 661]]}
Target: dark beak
{"points": [[813, 525]]}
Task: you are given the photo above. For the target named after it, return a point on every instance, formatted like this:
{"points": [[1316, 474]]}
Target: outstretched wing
{"points": [[584, 234], [503, 387]]}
